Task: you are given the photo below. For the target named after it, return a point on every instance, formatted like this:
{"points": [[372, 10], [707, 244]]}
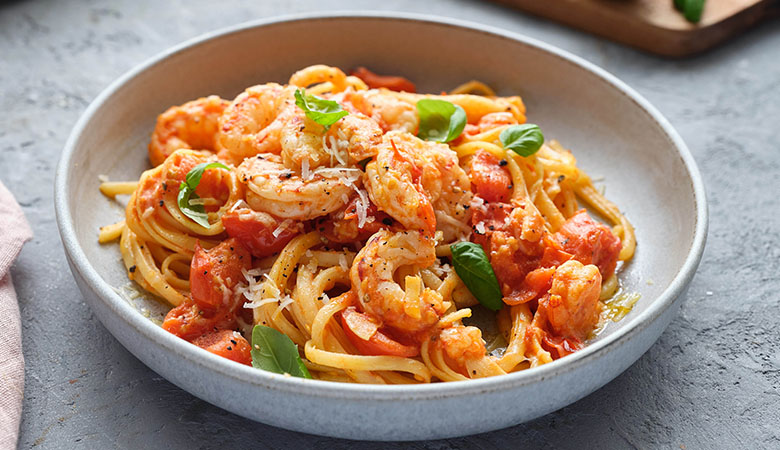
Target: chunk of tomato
{"points": [[513, 258], [558, 347], [214, 273], [491, 181], [539, 280], [227, 344], [255, 230], [188, 320], [590, 242], [374, 81], [536, 283], [359, 325]]}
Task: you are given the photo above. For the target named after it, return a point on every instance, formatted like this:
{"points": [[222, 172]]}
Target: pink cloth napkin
{"points": [[14, 232]]}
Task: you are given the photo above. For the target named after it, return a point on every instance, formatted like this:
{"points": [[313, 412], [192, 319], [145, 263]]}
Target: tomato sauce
{"points": [[527, 261]]}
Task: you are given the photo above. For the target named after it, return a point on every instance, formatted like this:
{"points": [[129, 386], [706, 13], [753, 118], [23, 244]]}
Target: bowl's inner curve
{"points": [[611, 136]]}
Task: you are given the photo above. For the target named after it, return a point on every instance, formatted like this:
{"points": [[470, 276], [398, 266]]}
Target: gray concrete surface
{"points": [[711, 381]]}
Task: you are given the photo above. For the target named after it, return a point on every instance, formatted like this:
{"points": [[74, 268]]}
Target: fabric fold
{"points": [[14, 232]]}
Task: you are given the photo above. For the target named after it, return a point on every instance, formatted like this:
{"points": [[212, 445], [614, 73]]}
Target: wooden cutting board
{"points": [[654, 25]]}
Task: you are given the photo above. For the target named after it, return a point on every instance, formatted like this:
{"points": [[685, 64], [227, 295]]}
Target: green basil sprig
{"points": [[525, 139], [324, 112], [275, 352], [187, 193], [440, 120], [691, 9], [474, 269]]}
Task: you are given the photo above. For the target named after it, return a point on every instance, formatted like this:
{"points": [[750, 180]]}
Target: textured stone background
{"points": [[711, 381]]}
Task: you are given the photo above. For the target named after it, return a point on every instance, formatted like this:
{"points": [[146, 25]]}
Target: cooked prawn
{"points": [[412, 308], [285, 193], [461, 343], [249, 126], [463, 351], [443, 181], [490, 122], [573, 305], [320, 74], [394, 183], [351, 139], [389, 112], [192, 125]]}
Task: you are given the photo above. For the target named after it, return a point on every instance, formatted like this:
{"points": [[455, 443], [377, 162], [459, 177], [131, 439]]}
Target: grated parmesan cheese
{"points": [[327, 149], [338, 172], [273, 288], [480, 227], [286, 301], [335, 149], [259, 303], [282, 226], [348, 176], [339, 149], [254, 273], [239, 204], [362, 206], [305, 172], [254, 288]]}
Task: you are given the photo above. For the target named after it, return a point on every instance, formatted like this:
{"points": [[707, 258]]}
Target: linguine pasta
{"points": [[347, 234]]}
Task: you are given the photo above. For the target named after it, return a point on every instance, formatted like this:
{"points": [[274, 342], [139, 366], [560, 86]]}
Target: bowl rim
{"points": [[169, 343]]}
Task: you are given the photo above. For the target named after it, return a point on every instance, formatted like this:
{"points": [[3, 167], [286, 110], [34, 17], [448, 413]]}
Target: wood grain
{"points": [[654, 25]]}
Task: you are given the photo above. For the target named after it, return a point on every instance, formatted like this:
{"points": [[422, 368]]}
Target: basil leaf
{"points": [[324, 112], [187, 193], [691, 9], [474, 269], [440, 120], [275, 352], [525, 139]]}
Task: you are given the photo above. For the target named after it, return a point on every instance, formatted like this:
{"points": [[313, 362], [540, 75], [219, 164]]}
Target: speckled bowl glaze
{"points": [[611, 129]]}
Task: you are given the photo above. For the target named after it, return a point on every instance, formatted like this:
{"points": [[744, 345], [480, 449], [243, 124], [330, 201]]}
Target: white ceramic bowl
{"points": [[612, 130]]}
